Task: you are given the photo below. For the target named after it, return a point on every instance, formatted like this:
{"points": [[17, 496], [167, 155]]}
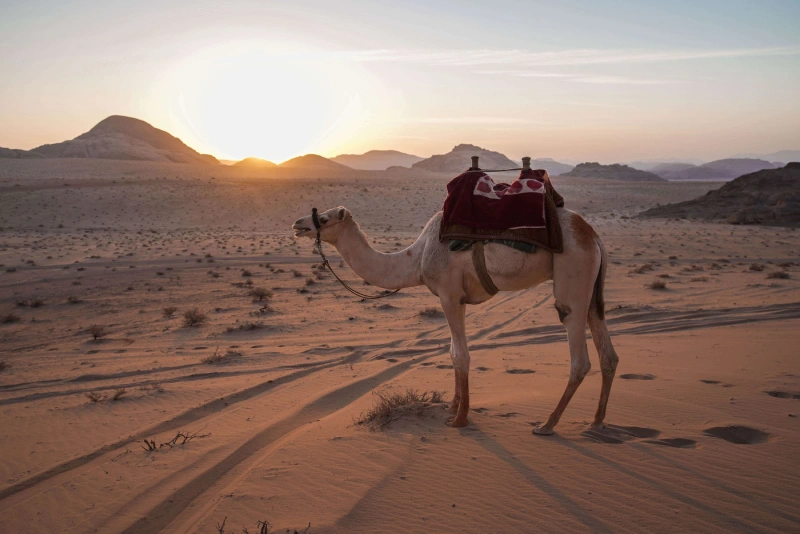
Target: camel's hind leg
{"points": [[575, 321]]}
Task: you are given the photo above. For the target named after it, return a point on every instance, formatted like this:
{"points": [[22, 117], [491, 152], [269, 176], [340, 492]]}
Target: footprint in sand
{"points": [[678, 443], [520, 371], [620, 434], [740, 435], [631, 376], [783, 395]]}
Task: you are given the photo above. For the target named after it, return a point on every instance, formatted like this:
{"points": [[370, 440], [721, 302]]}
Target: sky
{"points": [[609, 81]]}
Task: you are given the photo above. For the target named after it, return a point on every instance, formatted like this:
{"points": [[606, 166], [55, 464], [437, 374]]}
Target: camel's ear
{"points": [[342, 213]]}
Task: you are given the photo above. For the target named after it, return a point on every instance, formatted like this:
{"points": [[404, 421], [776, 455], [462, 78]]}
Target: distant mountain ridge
{"points": [[377, 160], [612, 172], [119, 137], [769, 196], [458, 160], [722, 169]]}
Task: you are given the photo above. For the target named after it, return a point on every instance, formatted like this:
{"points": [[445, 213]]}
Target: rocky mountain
{"points": [[254, 163], [18, 153], [458, 160], [377, 160], [553, 168], [312, 161], [770, 197], [119, 137], [612, 172], [721, 169]]}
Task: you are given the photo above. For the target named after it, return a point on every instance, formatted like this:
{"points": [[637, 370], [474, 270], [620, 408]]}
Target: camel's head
{"points": [[328, 223]]}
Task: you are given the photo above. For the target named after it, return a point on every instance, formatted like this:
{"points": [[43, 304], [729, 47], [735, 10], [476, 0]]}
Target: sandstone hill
{"points": [[377, 160], [458, 160], [612, 172], [119, 137], [254, 163], [769, 197], [312, 161]]}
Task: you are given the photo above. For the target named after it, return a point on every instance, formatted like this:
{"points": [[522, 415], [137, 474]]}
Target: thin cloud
{"points": [[527, 58]]}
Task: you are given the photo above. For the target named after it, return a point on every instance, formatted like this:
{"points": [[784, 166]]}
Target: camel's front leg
{"points": [[455, 311]]}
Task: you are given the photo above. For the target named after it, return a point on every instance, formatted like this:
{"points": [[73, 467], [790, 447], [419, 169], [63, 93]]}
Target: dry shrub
{"points": [[431, 312], [193, 317], [248, 325], [392, 405], [779, 274], [642, 268], [10, 318], [169, 311], [94, 396], [218, 358], [97, 331], [658, 285], [260, 293]]}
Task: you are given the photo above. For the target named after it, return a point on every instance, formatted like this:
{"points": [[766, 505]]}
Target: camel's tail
{"points": [[598, 305]]}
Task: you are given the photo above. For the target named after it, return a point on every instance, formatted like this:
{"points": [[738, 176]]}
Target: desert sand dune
{"points": [[282, 361]]}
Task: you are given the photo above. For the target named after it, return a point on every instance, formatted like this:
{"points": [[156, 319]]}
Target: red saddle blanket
{"points": [[477, 208]]}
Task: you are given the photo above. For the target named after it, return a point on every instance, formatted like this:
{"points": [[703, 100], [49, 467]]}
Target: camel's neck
{"points": [[389, 271]]}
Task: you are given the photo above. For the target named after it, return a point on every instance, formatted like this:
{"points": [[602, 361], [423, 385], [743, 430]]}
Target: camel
{"points": [[578, 275]]}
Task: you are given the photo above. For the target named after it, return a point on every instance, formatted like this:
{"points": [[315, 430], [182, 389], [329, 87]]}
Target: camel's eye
{"points": [[323, 219]]}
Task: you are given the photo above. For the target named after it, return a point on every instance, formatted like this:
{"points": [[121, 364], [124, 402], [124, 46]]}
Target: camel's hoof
{"points": [[542, 431], [457, 422]]}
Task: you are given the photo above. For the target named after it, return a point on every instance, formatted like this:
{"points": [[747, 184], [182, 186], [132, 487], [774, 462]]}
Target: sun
{"points": [[249, 99]]}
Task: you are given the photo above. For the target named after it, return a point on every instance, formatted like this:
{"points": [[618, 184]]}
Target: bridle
{"points": [[326, 263]]}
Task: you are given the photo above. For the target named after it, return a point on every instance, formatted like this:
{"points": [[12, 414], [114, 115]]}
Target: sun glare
{"points": [[241, 100]]}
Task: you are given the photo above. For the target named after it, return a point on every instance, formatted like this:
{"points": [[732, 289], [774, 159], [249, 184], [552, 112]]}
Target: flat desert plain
{"points": [[703, 432]]}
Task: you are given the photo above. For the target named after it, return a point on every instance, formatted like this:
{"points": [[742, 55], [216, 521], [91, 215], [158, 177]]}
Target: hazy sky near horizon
{"points": [[605, 81]]}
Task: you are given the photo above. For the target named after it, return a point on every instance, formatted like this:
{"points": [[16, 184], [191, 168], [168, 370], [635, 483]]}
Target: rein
{"points": [[326, 263]]}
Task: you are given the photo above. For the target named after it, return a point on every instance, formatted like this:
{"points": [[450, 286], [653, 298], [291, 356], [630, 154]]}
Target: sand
{"points": [[703, 430]]}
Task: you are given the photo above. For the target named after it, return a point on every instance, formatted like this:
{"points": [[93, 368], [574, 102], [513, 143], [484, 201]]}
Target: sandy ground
{"points": [[112, 244]]}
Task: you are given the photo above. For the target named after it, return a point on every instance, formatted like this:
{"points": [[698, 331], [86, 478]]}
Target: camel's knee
{"points": [[563, 311], [608, 363]]}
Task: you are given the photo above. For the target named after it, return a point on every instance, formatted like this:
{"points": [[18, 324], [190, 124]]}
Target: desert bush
{"points": [[10, 318], [218, 358], [779, 274], [431, 312], [391, 405], [193, 317], [169, 311], [260, 293], [245, 327], [94, 396], [658, 284], [97, 331]]}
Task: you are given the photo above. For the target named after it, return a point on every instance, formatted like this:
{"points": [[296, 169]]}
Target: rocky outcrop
{"points": [[769, 197]]}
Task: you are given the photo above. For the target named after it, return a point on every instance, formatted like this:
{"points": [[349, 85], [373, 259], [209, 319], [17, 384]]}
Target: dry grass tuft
{"points": [[193, 317], [432, 313], [779, 274], [10, 318], [658, 285], [392, 405], [218, 358]]}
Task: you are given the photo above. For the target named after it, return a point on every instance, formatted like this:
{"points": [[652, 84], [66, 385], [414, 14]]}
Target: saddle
{"points": [[478, 210]]}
